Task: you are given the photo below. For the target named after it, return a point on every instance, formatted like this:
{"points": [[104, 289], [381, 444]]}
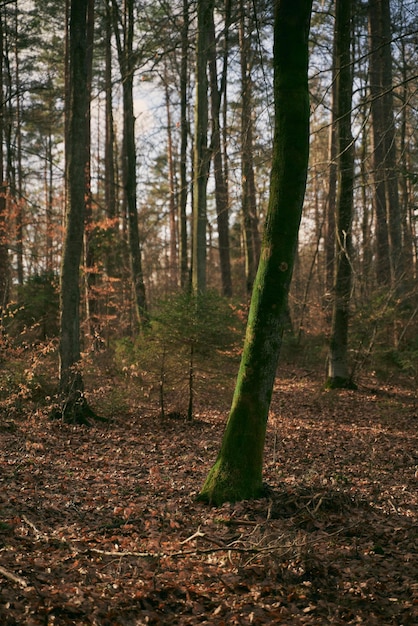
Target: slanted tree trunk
{"points": [[237, 472], [74, 407], [201, 156], [338, 373]]}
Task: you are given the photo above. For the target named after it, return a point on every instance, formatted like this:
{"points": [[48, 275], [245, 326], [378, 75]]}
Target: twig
{"points": [[198, 533], [183, 553], [16, 579], [38, 533]]}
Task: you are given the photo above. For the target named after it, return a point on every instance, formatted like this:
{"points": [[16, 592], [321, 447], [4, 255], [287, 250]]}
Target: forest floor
{"points": [[100, 526]]}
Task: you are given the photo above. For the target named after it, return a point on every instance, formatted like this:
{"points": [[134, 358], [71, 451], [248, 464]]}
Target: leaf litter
{"points": [[100, 526]]}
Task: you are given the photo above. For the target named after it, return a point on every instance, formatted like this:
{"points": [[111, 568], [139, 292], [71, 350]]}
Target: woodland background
{"points": [[383, 260], [335, 540]]}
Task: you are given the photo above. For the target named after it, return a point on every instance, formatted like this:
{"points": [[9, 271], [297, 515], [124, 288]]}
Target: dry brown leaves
{"points": [[100, 526]]}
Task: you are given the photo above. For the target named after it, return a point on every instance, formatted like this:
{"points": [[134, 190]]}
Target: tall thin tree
{"points": [[338, 373], [221, 184], [74, 407], [388, 217], [201, 156], [4, 255], [124, 34]]}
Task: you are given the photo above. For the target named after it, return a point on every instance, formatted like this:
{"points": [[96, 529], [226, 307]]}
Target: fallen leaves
{"points": [[101, 526]]}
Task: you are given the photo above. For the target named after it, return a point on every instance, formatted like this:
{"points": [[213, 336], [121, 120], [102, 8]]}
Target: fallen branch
{"points": [[184, 553], [38, 533], [16, 579], [198, 533]]}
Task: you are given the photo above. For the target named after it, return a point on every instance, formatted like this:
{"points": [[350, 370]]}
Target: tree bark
{"points": [[388, 218], [4, 253], [90, 270], [249, 206], [332, 183], [19, 173], [172, 204], [237, 472], [110, 176], [338, 374], [183, 256], [74, 407], [127, 67], [201, 156], [221, 187]]}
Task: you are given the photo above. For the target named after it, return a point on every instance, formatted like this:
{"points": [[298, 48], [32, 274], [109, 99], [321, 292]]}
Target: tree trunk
{"points": [[184, 273], [90, 269], [405, 182], [237, 472], [19, 173], [172, 205], [388, 223], [74, 407], [201, 157], [127, 67], [338, 374], [4, 254], [110, 177], [221, 187], [249, 207], [332, 182], [49, 177]]}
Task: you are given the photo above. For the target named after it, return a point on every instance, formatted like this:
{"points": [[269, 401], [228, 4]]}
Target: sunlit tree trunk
{"points": [[338, 373], [237, 472]]}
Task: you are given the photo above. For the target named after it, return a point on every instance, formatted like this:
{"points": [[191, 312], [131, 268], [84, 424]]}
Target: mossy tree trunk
{"points": [[237, 472], [338, 372]]}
